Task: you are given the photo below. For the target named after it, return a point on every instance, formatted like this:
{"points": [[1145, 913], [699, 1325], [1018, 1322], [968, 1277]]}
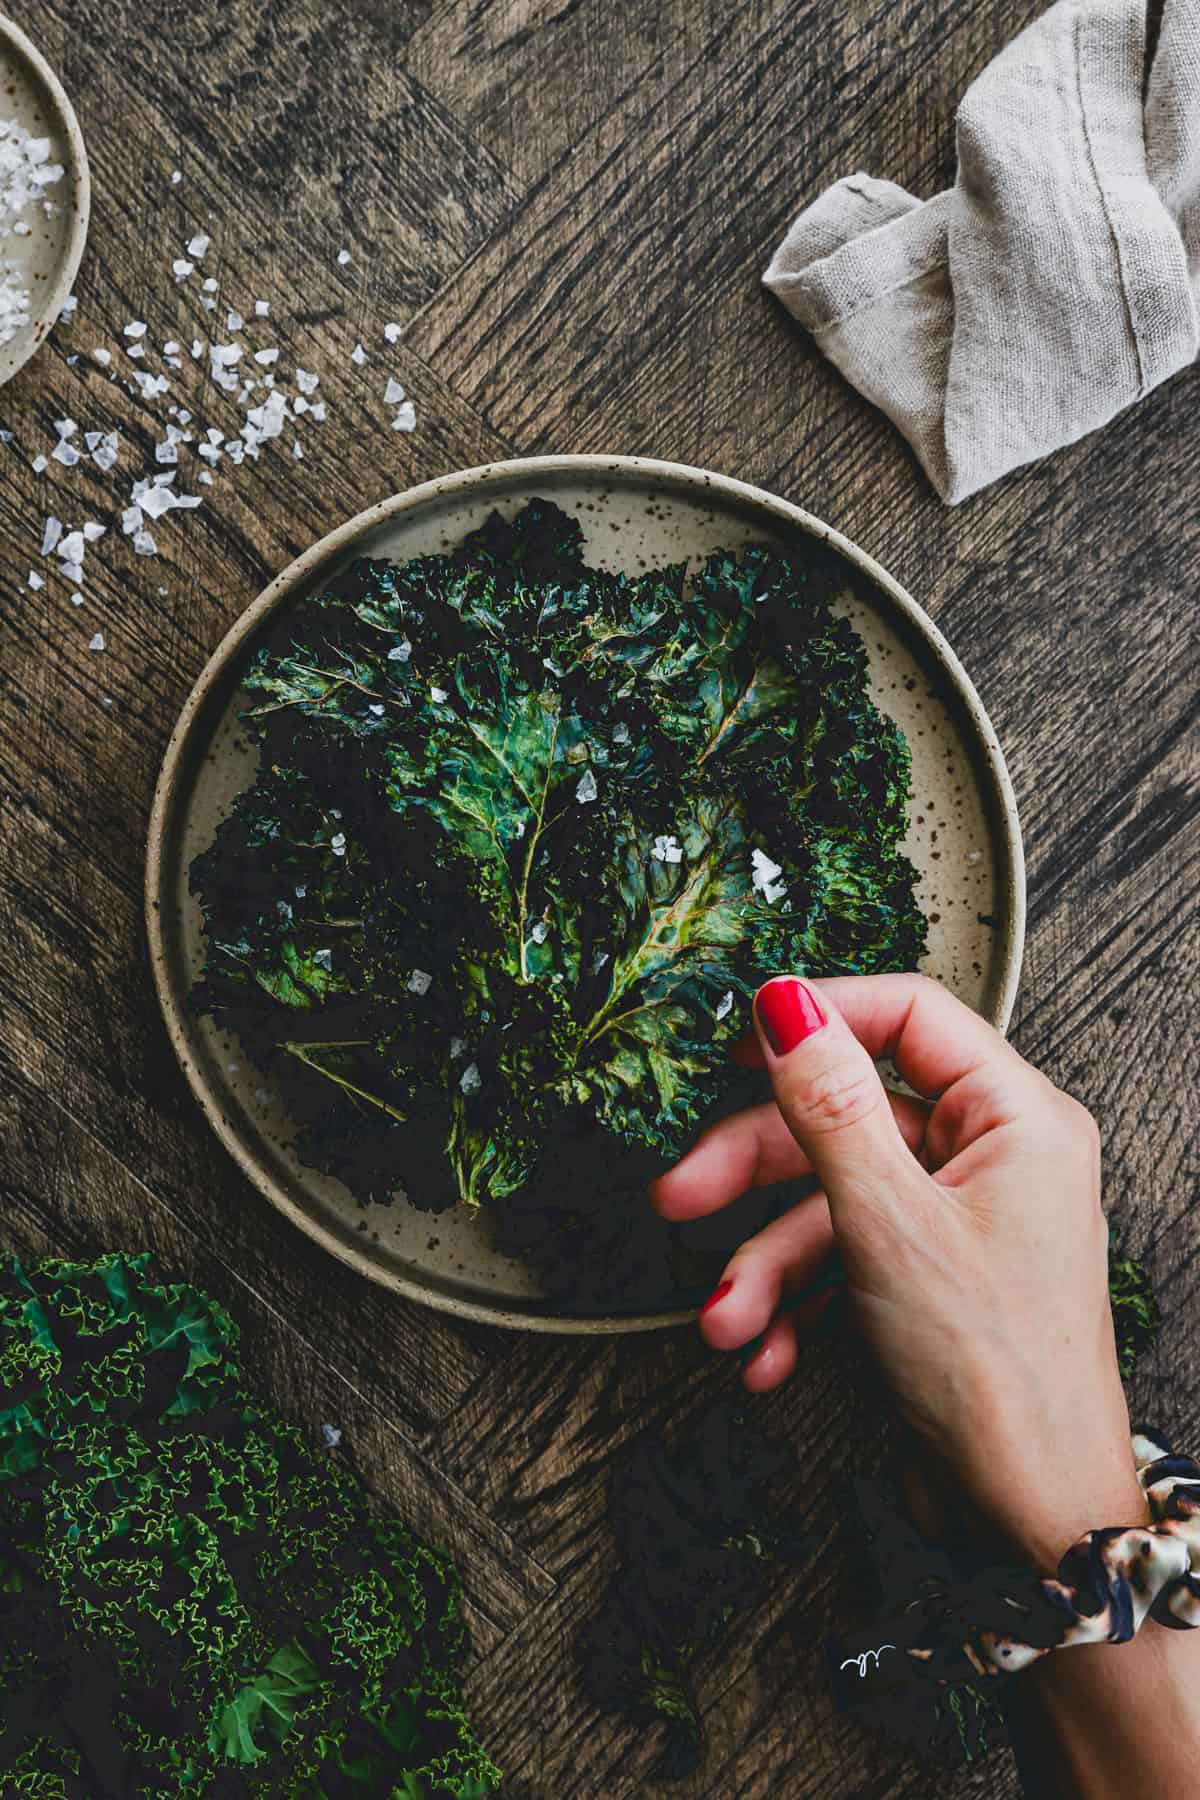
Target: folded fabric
{"points": [[1056, 282]]}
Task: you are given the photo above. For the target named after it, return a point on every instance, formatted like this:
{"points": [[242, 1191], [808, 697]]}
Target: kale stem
{"points": [[301, 1053]]}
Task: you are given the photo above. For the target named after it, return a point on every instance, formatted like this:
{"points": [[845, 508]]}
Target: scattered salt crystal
{"points": [[620, 733], [376, 707], [73, 571], [65, 427], [587, 789], [197, 349], [322, 958], [724, 1006], [457, 1048], [540, 932], [666, 849], [343, 257], [299, 405], [358, 354], [106, 455], [470, 1081], [600, 960], [974, 856], [337, 843], [419, 982], [764, 875], [69, 307], [198, 245], [51, 534], [35, 580], [144, 544], [71, 547], [176, 177], [97, 643], [400, 652], [136, 328], [406, 418], [136, 350], [391, 332], [166, 453], [266, 357], [102, 356], [306, 381], [393, 393], [332, 1435], [317, 412], [76, 599], [209, 286], [205, 476], [38, 464], [298, 453], [92, 530], [65, 453], [437, 695], [234, 321], [262, 309], [131, 520], [181, 268]]}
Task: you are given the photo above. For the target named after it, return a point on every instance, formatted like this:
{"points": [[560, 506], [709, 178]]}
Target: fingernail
{"points": [[718, 1293], [788, 1011]]}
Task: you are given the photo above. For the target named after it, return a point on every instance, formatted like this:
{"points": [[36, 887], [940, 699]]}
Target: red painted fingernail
{"points": [[789, 1012], [718, 1293]]}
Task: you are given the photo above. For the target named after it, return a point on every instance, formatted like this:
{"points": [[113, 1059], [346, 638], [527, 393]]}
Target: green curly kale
{"points": [[527, 836], [191, 1602]]}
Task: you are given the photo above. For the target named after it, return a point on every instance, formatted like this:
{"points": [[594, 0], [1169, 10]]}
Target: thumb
{"points": [[831, 1097]]}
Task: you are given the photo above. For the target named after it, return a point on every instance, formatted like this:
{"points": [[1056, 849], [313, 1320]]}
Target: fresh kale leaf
{"points": [[527, 836]]}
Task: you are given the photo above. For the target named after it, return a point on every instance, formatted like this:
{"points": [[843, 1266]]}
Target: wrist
{"points": [[1041, 1528]]}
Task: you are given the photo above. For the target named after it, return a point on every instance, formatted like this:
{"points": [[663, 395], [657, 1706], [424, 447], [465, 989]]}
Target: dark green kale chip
{"points": [[527, 836]]}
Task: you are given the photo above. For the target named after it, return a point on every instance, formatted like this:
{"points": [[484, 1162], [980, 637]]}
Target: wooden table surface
{"points": [[566, 204]]}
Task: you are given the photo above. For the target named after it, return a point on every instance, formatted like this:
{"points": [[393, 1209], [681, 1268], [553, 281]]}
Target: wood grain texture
{"points": [[567, 204]]}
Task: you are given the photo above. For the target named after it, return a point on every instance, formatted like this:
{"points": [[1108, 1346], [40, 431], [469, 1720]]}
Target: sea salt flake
{"points": [[298, 450], [72, 571], [69, 307], [136, 350], [144, 544], [540, 932], [391, 332], [107, 451], [76, 599], [358, 354], [343, 257], [306, 381], [587, 789], [724, 1006], [176, 177], [181, 268], [266, 357], [332, 1435], [337, 843], [166, 452], [209, 286], [97, 642], [131, 520], [92, 531], [71, 547], [666, 849], [393, 393], [262, 309], [437, 694], [400, 652], [36, 581], [764, 875], [198, 246], [38, 465], [322, 958], [620, 733], [406, 418], [599, 962], [51, 535], [136, 328], [470, 1081], [317, 412], [65, 453], [419, 982], [376, 707], [205, 476], [457, 1048], [102, 356], [234, 321]]}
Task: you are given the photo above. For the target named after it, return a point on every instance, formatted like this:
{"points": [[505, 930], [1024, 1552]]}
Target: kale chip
{"points": [[527, 836]]}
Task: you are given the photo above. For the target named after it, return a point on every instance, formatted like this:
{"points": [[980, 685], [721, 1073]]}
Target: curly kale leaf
{"points": [[528, 835], [191, 1601]]}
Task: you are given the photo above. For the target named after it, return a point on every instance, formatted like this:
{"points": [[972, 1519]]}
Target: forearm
{"points": [[1106, 1721]]}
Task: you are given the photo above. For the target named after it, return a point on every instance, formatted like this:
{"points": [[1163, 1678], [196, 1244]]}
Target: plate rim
{"points": [[80, 175], [297, 574]]}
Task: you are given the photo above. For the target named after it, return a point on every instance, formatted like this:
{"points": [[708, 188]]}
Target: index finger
{"points": [[934, 1038]]}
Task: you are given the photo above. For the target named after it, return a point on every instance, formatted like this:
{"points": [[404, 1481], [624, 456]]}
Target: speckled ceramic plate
{"points": [[46, 258], [964, 837]]}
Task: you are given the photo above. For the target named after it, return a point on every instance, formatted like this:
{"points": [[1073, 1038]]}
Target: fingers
{"points": [[830, 1095], [933, 1038], [776, 1359], [776, 1260], [753, 1149]]}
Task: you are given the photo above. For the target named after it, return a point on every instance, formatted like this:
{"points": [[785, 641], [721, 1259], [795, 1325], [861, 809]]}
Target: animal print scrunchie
{"points": [[1002, 1619]]}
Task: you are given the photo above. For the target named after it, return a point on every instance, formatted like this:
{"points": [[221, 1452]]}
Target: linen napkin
{"points": [[1056, 282]]}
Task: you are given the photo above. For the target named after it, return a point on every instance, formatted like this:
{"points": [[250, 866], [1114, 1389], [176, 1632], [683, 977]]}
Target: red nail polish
{"points": [[788, 1011], [718, 1293]]}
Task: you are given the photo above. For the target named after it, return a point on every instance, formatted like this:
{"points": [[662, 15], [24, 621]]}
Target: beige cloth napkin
{"points": [[1056, 282]]}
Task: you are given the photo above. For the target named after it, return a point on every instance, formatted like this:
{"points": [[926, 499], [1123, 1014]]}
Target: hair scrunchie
{"points": [[1002, 1618]]}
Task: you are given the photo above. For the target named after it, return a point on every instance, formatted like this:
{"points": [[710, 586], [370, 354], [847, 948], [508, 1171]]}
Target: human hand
{"points": [[971, 1229]]}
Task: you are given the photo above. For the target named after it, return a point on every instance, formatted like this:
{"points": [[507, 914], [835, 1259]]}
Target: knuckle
{"points": [[837, 1098]]}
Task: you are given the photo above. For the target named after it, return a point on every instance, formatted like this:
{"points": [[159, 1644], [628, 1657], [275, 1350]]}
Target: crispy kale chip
{"points": [[528, 835], [191, 1601]]}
